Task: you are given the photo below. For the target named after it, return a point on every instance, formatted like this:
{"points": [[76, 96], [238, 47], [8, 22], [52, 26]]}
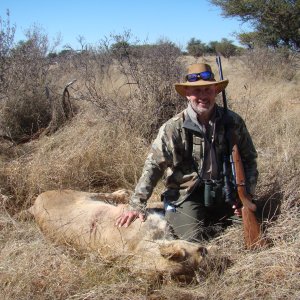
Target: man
{"points": [[189, 152]]}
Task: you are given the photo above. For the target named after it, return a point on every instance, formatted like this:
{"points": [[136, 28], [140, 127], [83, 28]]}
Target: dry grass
{"points": [[87, 154], [33, 268], [90, 154]]}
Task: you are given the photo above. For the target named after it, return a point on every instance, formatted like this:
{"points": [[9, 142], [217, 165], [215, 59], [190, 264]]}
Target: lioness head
{"points": [[183, 257]]}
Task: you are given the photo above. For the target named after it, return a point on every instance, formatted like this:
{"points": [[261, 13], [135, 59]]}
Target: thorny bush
{"points": [[131, 83], [25, 106]]}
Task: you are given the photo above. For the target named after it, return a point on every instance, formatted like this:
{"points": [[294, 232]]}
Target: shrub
{"points": [[7, 33], [266, 63], [130, 82], [25, 106]]}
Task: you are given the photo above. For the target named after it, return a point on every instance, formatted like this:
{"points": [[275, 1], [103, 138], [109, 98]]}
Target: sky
{"points": [[147, 20]]}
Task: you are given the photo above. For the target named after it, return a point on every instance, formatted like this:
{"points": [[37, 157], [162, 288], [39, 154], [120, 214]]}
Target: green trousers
{"points": [[193, 221]]}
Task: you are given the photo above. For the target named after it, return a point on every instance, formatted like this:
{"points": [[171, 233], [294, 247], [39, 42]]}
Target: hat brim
{"points": [[181, 87]]}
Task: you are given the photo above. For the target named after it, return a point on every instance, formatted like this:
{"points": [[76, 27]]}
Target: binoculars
{"points": [[213, 193]]}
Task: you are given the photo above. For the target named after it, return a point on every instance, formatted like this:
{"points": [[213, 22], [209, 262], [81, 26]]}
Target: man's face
{"points": [[202, 99]]}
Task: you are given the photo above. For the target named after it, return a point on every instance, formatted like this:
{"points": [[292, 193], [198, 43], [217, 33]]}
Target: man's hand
{"points": [[128, 217], [237, 211]]}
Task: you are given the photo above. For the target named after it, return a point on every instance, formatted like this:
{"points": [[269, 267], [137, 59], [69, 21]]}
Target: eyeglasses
{"points": [[206, 75]]}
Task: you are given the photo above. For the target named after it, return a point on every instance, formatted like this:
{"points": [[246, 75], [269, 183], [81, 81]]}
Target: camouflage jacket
{"points": [[175, 157]]}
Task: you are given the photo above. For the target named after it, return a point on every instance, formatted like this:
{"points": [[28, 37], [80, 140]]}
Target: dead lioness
{"points": [[82, 220]]}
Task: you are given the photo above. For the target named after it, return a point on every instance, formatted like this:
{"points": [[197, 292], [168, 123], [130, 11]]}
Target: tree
{"points": [[226, 48], [121, 48], [196, 48], [249, 39], [211, 47], [276, 22]]}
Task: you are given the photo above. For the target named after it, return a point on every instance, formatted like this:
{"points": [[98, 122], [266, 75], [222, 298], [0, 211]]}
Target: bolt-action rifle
{"points": [[235, 182]]}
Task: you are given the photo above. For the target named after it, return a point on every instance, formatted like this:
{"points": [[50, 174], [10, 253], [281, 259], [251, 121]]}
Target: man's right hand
{"points": [[128, 217]]}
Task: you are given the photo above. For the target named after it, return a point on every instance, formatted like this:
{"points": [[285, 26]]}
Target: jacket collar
{"points": [[191, 122]]}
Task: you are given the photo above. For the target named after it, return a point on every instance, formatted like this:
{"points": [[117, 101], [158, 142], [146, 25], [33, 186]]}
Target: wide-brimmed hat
{"points": [[200, 75]]}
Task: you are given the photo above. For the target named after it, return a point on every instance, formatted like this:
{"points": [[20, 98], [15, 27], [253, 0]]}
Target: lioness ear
{"points": [[172, 252]]}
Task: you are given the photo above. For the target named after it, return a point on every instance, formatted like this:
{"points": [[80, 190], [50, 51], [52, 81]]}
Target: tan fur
{"points": [[80, 219], [120, 196]]}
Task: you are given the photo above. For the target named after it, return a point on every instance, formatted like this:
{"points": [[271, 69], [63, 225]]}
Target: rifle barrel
{"points": [[219, 63]]}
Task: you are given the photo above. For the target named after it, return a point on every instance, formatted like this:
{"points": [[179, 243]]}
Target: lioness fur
{"points": [[82, 220]]}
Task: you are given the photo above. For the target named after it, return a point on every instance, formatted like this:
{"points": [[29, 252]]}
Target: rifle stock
{"points": [[252, 230]]}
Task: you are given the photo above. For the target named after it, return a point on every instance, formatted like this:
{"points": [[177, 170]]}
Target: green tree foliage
{"points": [[66, 52], [225, 48], [211, 47], [121, 48], [249, 39], [196, 48], [276, 22]]}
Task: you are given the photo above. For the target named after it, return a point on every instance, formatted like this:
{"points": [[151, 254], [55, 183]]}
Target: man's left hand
{"points": [[237, 211]]}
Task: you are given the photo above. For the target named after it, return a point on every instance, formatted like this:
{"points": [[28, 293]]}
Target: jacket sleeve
{"points": [[248, 155], [158, 159]]}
